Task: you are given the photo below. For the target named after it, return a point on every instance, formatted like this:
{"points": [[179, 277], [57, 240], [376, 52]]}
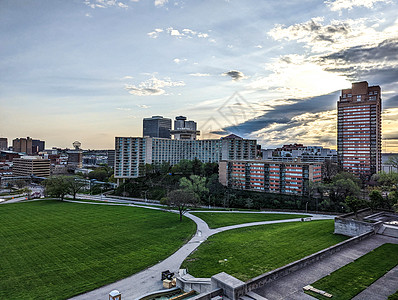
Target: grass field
{"points": [[54, 250], [353, 278], [248, 252], [393, 296], [216, 220]]}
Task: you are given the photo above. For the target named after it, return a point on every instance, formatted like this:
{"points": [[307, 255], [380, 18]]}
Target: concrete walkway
{"points": [[148, 280], [291, 286]]}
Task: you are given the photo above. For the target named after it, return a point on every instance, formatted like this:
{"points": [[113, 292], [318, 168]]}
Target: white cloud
{"points": [[143, 106], [200, 74], [161, 2], [178, 33], [152, 87], [123, 109], [127, 77], [336, 5], [105, 3], [154, 34], [178, 60], [259, 46]]}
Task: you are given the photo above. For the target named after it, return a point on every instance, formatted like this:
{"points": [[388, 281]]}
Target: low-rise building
{"points": [[31, 165]]}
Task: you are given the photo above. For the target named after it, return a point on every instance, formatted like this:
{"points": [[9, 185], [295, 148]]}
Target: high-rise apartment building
{"points": [[133, 152], [3, 144], [157, 126], [359, 129]]}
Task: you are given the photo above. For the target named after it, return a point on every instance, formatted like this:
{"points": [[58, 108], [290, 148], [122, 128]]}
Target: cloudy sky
{"points": [[90, 70]]}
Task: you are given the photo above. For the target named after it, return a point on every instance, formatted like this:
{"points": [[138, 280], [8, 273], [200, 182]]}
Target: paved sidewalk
{"points": [[291, 286], [148, 280]]}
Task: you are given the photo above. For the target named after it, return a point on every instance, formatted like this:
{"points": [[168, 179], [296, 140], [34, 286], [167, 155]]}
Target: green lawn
{"points": [[355, 277], [393, 296], [252, 251], [54, 250], [220, 219]]}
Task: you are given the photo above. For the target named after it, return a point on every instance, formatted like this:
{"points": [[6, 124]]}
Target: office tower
{"points": [[37, 146], [184, 130], [3, 144], [157, 126], [359, 130], [23, 145]]}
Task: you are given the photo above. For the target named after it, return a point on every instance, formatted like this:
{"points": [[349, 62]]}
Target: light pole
{"points": [[306, 207]]}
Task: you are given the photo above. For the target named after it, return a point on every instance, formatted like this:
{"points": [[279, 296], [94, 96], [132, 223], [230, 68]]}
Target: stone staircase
{"points": [[388, 230], [252, 296]]}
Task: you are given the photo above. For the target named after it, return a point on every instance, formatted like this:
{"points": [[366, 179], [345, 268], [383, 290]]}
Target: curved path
{"points": [[148, 280]]}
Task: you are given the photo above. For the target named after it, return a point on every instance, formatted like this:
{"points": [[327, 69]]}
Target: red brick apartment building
{"points": [[359, 129], [270, 176]]}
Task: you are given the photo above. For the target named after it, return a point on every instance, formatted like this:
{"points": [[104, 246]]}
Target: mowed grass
{"points": [[54, 250], [355, 277], [251, 251], [221, 219]]}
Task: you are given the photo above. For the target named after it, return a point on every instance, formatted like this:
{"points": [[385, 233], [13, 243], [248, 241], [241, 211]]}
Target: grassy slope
{"points": [[216, 220], [253, 251], [54, 250], [353, 278]]}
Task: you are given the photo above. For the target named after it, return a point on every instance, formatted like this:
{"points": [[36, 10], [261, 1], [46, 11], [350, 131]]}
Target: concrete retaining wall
{"points": [[299, 264], [233, 288], [188, 283], [351, 227], [209, 295]]}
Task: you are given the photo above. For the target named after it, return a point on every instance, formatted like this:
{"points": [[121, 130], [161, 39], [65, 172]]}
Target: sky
{"points": [[90, 70]]}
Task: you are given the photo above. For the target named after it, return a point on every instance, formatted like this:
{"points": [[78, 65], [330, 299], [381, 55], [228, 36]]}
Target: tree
{"points": [[75, 185], [182, 200], [329, 170], [195, 184], [57, 186], [393, 161], [376, 200], [354, 204]]}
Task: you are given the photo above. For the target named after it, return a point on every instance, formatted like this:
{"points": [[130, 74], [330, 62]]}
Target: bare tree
{"points": [[182, 200]]}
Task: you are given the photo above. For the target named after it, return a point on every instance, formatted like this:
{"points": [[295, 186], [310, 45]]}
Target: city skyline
{"points": [[90, 70]]}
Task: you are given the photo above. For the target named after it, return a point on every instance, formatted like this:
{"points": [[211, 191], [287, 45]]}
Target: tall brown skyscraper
{"points": [[359, 129]]}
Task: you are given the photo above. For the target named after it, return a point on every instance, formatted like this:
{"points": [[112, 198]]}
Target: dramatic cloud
{"points": [[152, 87], [293, 75], [235, 75], [178, 33], [377, 63], [105, 3], [336, 5]]}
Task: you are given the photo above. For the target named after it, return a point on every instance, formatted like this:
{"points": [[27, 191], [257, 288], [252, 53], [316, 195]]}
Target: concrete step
{"points": [[391, 231], [245, 298], [255, 296]]}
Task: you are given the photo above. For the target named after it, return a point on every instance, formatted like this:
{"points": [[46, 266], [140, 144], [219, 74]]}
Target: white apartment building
{"points": [[133, 152]]}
